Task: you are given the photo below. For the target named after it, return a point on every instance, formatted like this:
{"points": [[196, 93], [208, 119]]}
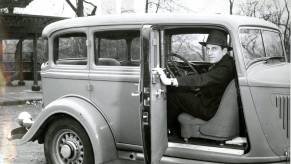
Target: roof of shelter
{"points": [[14, 3], [16, 26]]}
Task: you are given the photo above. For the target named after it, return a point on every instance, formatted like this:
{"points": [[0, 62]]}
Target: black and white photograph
{"points": [[145, 81]]}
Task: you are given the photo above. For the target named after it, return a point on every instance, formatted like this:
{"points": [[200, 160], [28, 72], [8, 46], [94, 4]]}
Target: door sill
{"points": [[206, 148]]}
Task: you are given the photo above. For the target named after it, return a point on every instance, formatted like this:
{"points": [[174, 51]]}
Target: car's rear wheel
{"points": [[66, 142]]}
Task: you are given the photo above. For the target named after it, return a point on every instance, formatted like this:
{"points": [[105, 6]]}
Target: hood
{"points": [[269, 75]]}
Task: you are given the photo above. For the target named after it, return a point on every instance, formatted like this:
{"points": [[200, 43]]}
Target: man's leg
{"points": [[173, 110], [179, 102], [188, 102]]}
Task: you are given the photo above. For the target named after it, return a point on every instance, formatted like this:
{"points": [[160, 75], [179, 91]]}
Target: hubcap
{"points": [[69, 148]]}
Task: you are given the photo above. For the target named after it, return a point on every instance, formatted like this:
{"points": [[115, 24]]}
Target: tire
{"points": [[66, 142]]}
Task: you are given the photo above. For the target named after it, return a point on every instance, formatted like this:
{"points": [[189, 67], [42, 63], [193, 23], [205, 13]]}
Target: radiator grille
{"points": [[283, 106]]}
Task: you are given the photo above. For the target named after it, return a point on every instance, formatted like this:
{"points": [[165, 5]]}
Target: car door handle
{"points": [[160, 92]]}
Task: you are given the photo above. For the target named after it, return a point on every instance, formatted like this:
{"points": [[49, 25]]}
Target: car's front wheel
{"points": [[66, 141]]}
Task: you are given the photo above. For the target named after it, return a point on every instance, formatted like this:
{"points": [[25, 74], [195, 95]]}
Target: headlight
{"points": [[24, 119]]}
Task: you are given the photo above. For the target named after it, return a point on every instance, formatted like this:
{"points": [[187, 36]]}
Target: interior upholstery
{"points": [[224, 125], [108, 61]]}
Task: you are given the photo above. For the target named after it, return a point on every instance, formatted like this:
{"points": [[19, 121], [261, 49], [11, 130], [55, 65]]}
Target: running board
{"points": [[206, 148]]}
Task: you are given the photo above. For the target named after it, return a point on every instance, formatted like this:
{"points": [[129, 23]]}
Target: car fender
{"points": [[88, 115]]}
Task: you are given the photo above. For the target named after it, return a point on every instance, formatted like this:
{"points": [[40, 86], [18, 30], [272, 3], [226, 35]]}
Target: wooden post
{"points": [[35, 86], [1, 52], [2, 76], [21, 81], [10, 10]]}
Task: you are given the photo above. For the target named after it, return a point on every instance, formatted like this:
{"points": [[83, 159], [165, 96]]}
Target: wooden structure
{"points": [[21, 27], [11, 4]]}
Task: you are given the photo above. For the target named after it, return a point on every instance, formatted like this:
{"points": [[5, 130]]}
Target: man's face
{"points": [[214, 53]]}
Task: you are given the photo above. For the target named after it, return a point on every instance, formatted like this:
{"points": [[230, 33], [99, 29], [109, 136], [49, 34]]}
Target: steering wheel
{"points": [[179, 70]]}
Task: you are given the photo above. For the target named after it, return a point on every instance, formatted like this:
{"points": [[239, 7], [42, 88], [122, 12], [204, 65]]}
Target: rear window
{"points": [[70, 49], [117, 48]]}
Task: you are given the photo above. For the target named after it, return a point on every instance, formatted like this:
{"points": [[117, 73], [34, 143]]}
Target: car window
{"points": [[187, 46], [272, 42], [259, 44], [252, 43], [70, 49], [117, 48]]}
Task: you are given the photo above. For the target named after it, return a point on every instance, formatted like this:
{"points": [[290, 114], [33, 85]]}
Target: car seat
{"points": [[108, 62], [224, 125]]}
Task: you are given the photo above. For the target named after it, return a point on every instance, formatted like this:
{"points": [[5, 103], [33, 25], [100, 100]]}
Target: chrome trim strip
{"points": [[282, 103], [206, 148]]}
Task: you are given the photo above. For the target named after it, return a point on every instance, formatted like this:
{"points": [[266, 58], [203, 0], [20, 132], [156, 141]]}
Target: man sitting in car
{"points": [[212, 83]]}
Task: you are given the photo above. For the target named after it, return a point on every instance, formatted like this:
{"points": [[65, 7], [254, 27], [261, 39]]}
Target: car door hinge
{"points": [[146, 90], [287, 154], [155, 77], [160, 92], [145, 118], [146, 101]]}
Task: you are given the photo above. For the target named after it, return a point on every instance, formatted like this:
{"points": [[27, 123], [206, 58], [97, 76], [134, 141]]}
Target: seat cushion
{"points": [[185, 118], [190, 125]]}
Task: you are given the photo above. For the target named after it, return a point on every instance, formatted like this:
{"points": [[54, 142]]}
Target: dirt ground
{"points": [[10, 153]]}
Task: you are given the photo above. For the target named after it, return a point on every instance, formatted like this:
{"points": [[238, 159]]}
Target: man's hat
{"points": [[217, 37]]}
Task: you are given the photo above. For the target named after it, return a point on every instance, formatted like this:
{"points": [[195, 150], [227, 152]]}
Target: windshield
{"points": [[260, 44]]}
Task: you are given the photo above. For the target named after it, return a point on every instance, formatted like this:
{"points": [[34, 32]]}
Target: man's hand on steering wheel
{"points": [[172, 80], [176, 67]]}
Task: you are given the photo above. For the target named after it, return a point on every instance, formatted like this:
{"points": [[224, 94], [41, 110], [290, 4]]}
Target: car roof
{"points": [[231, 21]]}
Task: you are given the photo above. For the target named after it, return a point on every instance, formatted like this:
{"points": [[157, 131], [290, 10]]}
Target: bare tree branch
{"points": [[271, 11], [147, 6], [90, 3], [286, 25], [231, 6], [72, 6], [286, 32], [80, 8], [164, 5], [158, 6], [93, 12]]}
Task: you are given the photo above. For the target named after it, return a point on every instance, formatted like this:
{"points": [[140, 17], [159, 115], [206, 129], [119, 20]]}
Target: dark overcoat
{"points": [[212, 85]]}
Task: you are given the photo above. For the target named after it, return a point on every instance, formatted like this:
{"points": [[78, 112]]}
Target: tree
{"points": [[274, 11], [287, 31], [147, 6], [249, 8], [79, 9], [155, 6], [231, 6]]}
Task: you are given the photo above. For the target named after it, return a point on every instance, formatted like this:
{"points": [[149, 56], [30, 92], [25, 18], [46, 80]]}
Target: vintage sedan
{"points": [[103, 101]]}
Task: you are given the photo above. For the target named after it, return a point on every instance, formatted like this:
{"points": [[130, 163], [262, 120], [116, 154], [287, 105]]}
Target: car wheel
{"points": [[66, 142]]}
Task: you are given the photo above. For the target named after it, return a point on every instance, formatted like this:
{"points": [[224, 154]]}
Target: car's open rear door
{"points": [[153, 99]]}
